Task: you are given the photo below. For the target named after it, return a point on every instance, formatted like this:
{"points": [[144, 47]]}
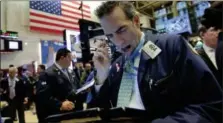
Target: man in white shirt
{"points": [[159, 73], [16, 94], [207, 51]]}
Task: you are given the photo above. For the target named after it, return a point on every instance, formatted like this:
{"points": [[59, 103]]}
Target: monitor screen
{"points": [[73, 42], [13, 45], [181, 5], [160, 12], [200, 8], [178, 25]]}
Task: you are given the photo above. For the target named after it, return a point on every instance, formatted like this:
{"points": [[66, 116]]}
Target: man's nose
{"points": [[118, 40]]}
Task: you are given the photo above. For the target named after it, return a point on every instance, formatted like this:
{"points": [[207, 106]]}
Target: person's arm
{"points": [[27, 86], [50, 56], [97, 88], [4, 89], [100, 92], [26, 94], [200, 90], [99, 96], [102, 64], [45, 92]]}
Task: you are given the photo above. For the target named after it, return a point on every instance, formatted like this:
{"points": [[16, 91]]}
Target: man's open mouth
{"points": [[126, 49]]}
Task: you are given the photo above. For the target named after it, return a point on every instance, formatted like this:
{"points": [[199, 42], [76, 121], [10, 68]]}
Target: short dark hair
{"points": [[62, 52], [201, 29], [107, 7], [212, 18], [43, 67]]}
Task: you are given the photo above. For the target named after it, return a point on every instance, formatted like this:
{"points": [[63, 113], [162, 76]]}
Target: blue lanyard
{"points": [[137, 49], [135, 53]]}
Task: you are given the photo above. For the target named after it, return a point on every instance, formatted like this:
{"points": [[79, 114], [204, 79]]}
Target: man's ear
{"points": [[201, 34], [136, 20]]}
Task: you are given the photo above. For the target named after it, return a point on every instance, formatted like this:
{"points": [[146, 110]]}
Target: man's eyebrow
{"points": [[119, 29]]}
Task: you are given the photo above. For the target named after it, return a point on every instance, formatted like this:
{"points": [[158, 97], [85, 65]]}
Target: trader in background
{"points": [[15, 92], [212, 18], [207, 51], [76, 70], [56, 93], [86, 73], [159, 73], [40, 70]]}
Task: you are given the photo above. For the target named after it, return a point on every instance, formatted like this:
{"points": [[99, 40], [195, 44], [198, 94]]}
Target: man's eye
{"points": [[122, 30]]}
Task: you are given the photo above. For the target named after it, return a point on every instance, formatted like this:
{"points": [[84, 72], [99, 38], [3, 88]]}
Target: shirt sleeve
{"points": [[97, 88]]}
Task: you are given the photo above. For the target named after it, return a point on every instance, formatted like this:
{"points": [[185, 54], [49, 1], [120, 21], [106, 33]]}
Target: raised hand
{"points": [[102, 62]]}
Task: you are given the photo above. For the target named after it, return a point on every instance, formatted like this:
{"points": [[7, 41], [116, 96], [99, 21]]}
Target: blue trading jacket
{"points": [[184, 90]]}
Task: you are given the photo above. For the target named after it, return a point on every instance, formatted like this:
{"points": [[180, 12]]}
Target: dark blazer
{"points": [[209, 63], [20, 90], [219, 55], [183, 89], [53, 88]]}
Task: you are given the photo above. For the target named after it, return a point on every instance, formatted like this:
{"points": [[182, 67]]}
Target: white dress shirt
{"points": [[211, 54], [136, 100], [12, 83]]}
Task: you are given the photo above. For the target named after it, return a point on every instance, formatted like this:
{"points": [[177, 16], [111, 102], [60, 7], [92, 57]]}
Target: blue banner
{"points": [[48, 51]]}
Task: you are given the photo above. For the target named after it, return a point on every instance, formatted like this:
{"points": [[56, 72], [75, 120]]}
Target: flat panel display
{"points": [[200, 8], [13, 45], [178, 25]]}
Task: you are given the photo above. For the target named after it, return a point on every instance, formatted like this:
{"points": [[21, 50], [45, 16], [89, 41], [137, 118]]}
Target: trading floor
{"points": [[111, 61]]}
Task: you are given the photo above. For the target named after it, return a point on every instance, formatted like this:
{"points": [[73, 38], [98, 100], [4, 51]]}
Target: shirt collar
{"points": [[138, 47], [207, 48], [14, 79], [142, 40], [58, 66]]}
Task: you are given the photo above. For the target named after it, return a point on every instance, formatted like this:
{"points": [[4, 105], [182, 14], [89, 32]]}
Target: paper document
{"points": [[86, 86]]}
